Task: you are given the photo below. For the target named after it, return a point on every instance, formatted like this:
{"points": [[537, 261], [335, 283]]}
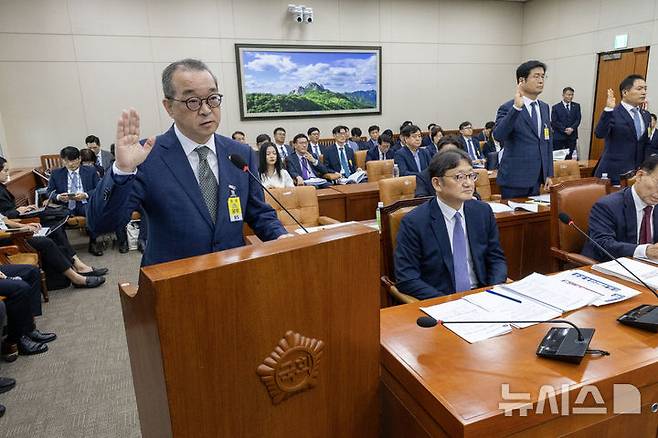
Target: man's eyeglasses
{"points": [[462, 177], [194, 103]]}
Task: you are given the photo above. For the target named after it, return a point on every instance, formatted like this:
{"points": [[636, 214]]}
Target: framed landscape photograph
{"points": [[277, 81]]}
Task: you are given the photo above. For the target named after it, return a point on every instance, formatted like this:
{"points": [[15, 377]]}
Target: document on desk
{"points": [[513, 307], [462, 310], [552, 292], [528, 206], [497, 207], [545, 198], [608, 290], [647, 272]]}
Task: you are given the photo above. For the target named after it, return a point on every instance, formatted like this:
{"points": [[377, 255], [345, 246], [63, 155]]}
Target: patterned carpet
{"points": [[82, 387]]}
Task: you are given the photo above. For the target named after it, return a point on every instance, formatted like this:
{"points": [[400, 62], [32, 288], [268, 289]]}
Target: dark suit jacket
{"points": [[426, 141], [373, 154], [59, 181], [107, 159], [295, 169], [178, 220], [476, 146], [424, 184], [431, 150], [363, 145], [528, 157], [489, 147], [613, 225], [562, 119], [481, 137], [8, 203], [288, 148], [423, 259], [332, 160], [652, 147], [310, 149], [622, 151], [406, 163]]}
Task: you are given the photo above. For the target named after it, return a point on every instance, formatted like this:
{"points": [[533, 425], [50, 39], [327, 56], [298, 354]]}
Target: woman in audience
{"points": [[270, 167], [88, 158], [436, 133], [57, 239]]}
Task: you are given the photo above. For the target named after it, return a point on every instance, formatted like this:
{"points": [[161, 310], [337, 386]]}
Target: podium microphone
{"points": [[241, 164], [564, 344], [645, 316]]}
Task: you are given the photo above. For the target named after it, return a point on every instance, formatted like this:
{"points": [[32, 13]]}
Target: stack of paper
{"points": [[497, 207], [513, 307], [648, 273], [528, 206], [609, 291], [545, 198], [552, 292]]}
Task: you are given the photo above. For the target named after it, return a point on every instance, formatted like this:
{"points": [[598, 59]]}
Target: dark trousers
{"points": [[22, 299], [569, 143], [518, 192]]}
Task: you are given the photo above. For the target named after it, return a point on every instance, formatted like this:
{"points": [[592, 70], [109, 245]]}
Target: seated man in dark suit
{"points": [[339, 157], [282, 147], [427, 140], [485, 134], [302, 165], [314, 147], [104, 158], [470, 144], [450, 243], [382, 151], [73, 185], [625, 223], [373, 133], [423, 179], [565, 119], [400, 141], [411, 159]]}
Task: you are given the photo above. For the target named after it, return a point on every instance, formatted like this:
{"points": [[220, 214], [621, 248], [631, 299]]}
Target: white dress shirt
{"points": [[449, 218], [640, 250], [283, 151], [274, 181]]}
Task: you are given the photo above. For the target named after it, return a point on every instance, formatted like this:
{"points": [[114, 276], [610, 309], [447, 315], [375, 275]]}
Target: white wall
{"points": [[568, 35], [67, 68]]}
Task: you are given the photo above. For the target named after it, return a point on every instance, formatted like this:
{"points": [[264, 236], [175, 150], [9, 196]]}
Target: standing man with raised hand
{"points": [[624, 128], [183, 178], [565, 119], [523, 126]]}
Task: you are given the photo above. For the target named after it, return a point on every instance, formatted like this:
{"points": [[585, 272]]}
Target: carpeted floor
{"points": [[82, 387]]}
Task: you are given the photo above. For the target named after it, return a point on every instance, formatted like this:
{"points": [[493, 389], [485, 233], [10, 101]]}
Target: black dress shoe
{"points": [[9, 352], [6, 384], [27, 346], [95, 272], [95, 249], [2, 410], [91, 282], [123, 247], [37, 336]]}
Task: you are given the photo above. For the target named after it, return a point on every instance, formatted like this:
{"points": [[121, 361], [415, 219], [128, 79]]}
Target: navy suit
{"points": [[406, 163], [424, 184], [310, 149], [652, 147], [562, 119], [481, 137], [332, 160], [476, 147], [431, 150], [295, 169], [59, 182], [178, 220], [613, 225], [373, 154], [423, 257], [426, 141], [623, 151], [528, 157]]}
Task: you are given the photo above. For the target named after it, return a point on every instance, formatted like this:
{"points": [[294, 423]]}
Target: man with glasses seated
{"points": [[471, 144], [339, 157], [410, 158], [303, 167], [450, 243], [183, 179], [625, 222]]}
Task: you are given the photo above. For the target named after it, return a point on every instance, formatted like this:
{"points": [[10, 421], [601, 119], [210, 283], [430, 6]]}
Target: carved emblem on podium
{"points": [[292, 367]]}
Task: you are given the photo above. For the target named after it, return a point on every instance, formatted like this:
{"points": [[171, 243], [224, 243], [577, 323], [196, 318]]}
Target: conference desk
{"points": [[350, 202], [436, 384], [586, 171]]}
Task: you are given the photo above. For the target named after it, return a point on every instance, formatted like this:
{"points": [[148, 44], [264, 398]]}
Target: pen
{"points": [[504, 296]]}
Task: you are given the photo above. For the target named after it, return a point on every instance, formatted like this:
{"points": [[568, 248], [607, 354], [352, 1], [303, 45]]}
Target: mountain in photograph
{"points": [[311, 97]]}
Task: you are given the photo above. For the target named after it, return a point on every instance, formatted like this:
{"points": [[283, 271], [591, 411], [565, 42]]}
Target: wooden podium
{"points": [[279, 339]]}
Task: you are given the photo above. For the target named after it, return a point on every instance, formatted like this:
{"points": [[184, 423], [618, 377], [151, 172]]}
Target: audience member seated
{"points": [[356, 139], [625, 222], [73, 185], [411, 159], [485, 134], [303, 166], [239, 136], [400, 142], [88, 158], [436, 134], [104, 158], [6, 383], [373, 133], [280, 143], [339, 157], [260, 139], [492, 145], [314, 147], [462, 251], [382, 151], [270, 167], [423, 179], [8, 208], [20, 285], [470, 144], [427, 140]]}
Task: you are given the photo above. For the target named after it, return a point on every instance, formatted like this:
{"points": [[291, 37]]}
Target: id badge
{"points": [[546, 133], [234, 209]]}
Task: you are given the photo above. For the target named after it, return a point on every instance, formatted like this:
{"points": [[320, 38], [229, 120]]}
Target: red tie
{"points": [[645, 227]]}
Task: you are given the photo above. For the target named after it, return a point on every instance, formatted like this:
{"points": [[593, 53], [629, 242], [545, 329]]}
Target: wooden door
{"points": [[612, 69]]}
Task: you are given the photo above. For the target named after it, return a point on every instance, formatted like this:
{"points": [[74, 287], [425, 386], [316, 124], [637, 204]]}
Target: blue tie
{"points": [[637, 122], [417, 160], [472, 151], [535, 117], [75, 188], [343, 163], [459, 256]]}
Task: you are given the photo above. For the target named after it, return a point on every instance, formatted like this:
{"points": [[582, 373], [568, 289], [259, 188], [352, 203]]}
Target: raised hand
{"points": [[610, 102], [518, 97], [129, 153]]}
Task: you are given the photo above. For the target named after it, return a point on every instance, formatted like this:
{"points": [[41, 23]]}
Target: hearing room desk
{"points": [[436, 384]]}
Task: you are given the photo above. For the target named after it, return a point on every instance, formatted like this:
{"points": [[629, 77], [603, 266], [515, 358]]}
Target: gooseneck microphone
{"points": [[241, 164], [644, 316]]}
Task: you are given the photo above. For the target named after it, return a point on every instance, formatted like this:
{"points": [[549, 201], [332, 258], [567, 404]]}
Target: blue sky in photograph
{"points": [[281, 72]]}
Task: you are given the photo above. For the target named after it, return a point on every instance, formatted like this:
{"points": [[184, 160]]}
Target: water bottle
{"points": [[378, 215], [396, 171]]}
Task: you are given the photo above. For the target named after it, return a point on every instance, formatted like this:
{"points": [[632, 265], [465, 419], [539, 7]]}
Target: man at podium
{"points": [[194, 198]]}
